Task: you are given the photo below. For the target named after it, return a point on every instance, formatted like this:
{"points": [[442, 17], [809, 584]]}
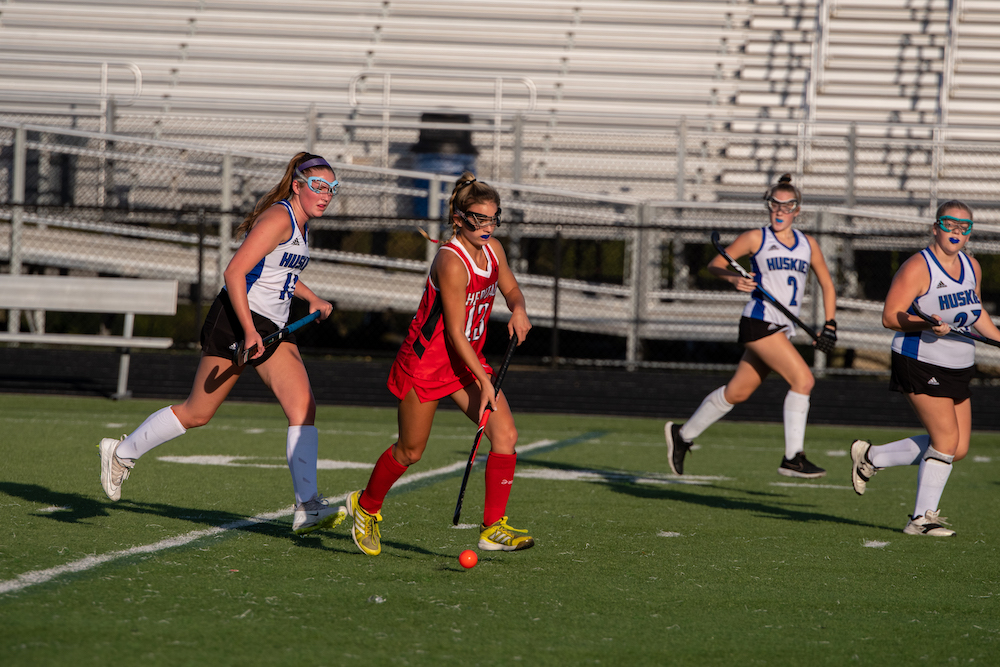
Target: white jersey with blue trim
{"points": [[957, 304], [271, 284], [783, 271]]}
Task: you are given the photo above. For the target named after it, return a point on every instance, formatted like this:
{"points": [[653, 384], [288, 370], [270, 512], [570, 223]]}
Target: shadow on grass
{"points": [[620, 482], [76, 508]]}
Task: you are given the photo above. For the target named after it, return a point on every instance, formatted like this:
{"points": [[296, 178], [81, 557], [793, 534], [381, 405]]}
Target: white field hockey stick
{"points": [[241, 356], [497, 381], [955, 330], [822, 344]]}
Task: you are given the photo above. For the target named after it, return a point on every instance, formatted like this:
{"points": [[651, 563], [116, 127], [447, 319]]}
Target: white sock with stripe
{"points": [[935, 469], [905, 452], [158, 428], [302, 452], [796, 413], [712, 409]]}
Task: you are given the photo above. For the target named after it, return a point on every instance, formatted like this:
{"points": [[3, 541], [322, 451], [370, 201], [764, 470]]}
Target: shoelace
{"points": [[867, 469], [503, 527], [934, 518]]}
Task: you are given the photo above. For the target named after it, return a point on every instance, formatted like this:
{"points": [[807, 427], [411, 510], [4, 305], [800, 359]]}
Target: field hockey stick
{"points": [[763, 292], [955, 330], [497, 381], [241, 356]]}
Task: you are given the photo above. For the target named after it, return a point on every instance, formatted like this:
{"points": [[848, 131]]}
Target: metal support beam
{"points": [[225, 220], [17, 215]]}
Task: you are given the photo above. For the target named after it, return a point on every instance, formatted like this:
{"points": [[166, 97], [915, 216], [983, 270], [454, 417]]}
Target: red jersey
{"points": [[426, 361]]}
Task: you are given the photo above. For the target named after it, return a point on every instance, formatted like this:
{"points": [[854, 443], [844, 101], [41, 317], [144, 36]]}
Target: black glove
{"points": [[828, 337]]}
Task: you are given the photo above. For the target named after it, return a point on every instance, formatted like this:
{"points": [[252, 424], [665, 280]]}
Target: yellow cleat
{"points": [[365, 530], [501, 537]]}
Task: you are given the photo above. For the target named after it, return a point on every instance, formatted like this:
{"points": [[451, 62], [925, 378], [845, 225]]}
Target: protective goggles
{"points": [[782, 206], [477, 220], [320, 186], [954, 225]]}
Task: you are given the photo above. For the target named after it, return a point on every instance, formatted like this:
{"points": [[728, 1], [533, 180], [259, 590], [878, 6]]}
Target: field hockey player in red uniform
{"points": [[442, 356]]}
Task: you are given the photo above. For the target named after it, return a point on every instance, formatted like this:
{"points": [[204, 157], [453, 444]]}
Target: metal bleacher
{"points": [[756, 79], [885, 103]]}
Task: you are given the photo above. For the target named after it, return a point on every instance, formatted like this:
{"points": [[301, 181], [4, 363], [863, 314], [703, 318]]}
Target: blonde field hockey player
{"points": [[260, 281]]}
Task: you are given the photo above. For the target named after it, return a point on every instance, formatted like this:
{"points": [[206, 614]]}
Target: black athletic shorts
{"points": [[221, 334], [751, 329], [910, 376]]}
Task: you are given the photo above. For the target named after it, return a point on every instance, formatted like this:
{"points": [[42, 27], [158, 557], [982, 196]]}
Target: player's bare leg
{"points": [[778, 353], [213, 381]]}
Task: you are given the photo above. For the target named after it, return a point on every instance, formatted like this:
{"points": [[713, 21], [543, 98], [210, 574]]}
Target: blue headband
{"points": [[314, 162]]}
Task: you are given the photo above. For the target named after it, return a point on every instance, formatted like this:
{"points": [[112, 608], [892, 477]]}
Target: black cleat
{"points": [[677, 447], [800, 466]]}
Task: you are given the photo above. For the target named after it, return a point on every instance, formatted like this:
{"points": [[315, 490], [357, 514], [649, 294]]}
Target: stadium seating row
{"points": [[620, 64]]}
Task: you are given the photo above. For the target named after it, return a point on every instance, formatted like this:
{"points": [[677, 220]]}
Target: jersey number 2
{"points": [[795, 290]]}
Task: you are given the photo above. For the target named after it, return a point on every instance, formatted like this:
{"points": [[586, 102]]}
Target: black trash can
{"points": [[442, 151]]}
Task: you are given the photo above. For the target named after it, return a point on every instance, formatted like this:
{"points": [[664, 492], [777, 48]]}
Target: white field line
{"points": [[806, 485], [599, 476], [41, 576], [875, 544], [241, 462]]}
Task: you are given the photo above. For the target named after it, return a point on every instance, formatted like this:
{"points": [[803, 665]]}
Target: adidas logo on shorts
{"points": [[933, 382]]}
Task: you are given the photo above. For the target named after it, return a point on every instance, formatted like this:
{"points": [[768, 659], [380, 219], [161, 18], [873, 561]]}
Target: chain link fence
{"points": [[610, 278]]}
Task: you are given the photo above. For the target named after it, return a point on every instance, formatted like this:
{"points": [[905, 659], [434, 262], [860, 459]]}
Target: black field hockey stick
{"points": [[822, 344], [241, 356], [955, 330], [497, 381]]}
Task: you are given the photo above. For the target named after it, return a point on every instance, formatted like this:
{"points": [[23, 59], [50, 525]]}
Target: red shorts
{"points": [[400, 382]]}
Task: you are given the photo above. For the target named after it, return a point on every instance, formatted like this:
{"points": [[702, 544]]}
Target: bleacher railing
{"points": [[621, 277]]}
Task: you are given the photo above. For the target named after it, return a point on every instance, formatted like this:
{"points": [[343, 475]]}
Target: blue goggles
{"points": [[320, 186], [954, 225]]}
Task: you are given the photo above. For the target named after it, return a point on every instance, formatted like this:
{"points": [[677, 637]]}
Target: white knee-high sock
{"points": [[712, 409], [158, 428], [796, 413], [905, 452], [302, 452], [935, 468]]}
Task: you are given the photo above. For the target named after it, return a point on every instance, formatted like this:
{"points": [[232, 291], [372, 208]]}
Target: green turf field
{"points": [[731, 565]]}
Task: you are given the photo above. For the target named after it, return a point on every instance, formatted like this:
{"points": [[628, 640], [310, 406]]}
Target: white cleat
{"points": [[114, 470], [315, 514], [862, 469], [928, 524]]}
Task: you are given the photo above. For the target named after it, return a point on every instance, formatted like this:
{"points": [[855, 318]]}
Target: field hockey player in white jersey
{"points": [[781, 259], [932, 365], [260, 281]]}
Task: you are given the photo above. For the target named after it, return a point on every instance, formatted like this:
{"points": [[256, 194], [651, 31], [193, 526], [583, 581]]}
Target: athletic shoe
{"points": [[114, 470], [500, 537], [928, 524], [862, 470], [800, 466], [315, 514], [677, 447], [365, 528]]}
